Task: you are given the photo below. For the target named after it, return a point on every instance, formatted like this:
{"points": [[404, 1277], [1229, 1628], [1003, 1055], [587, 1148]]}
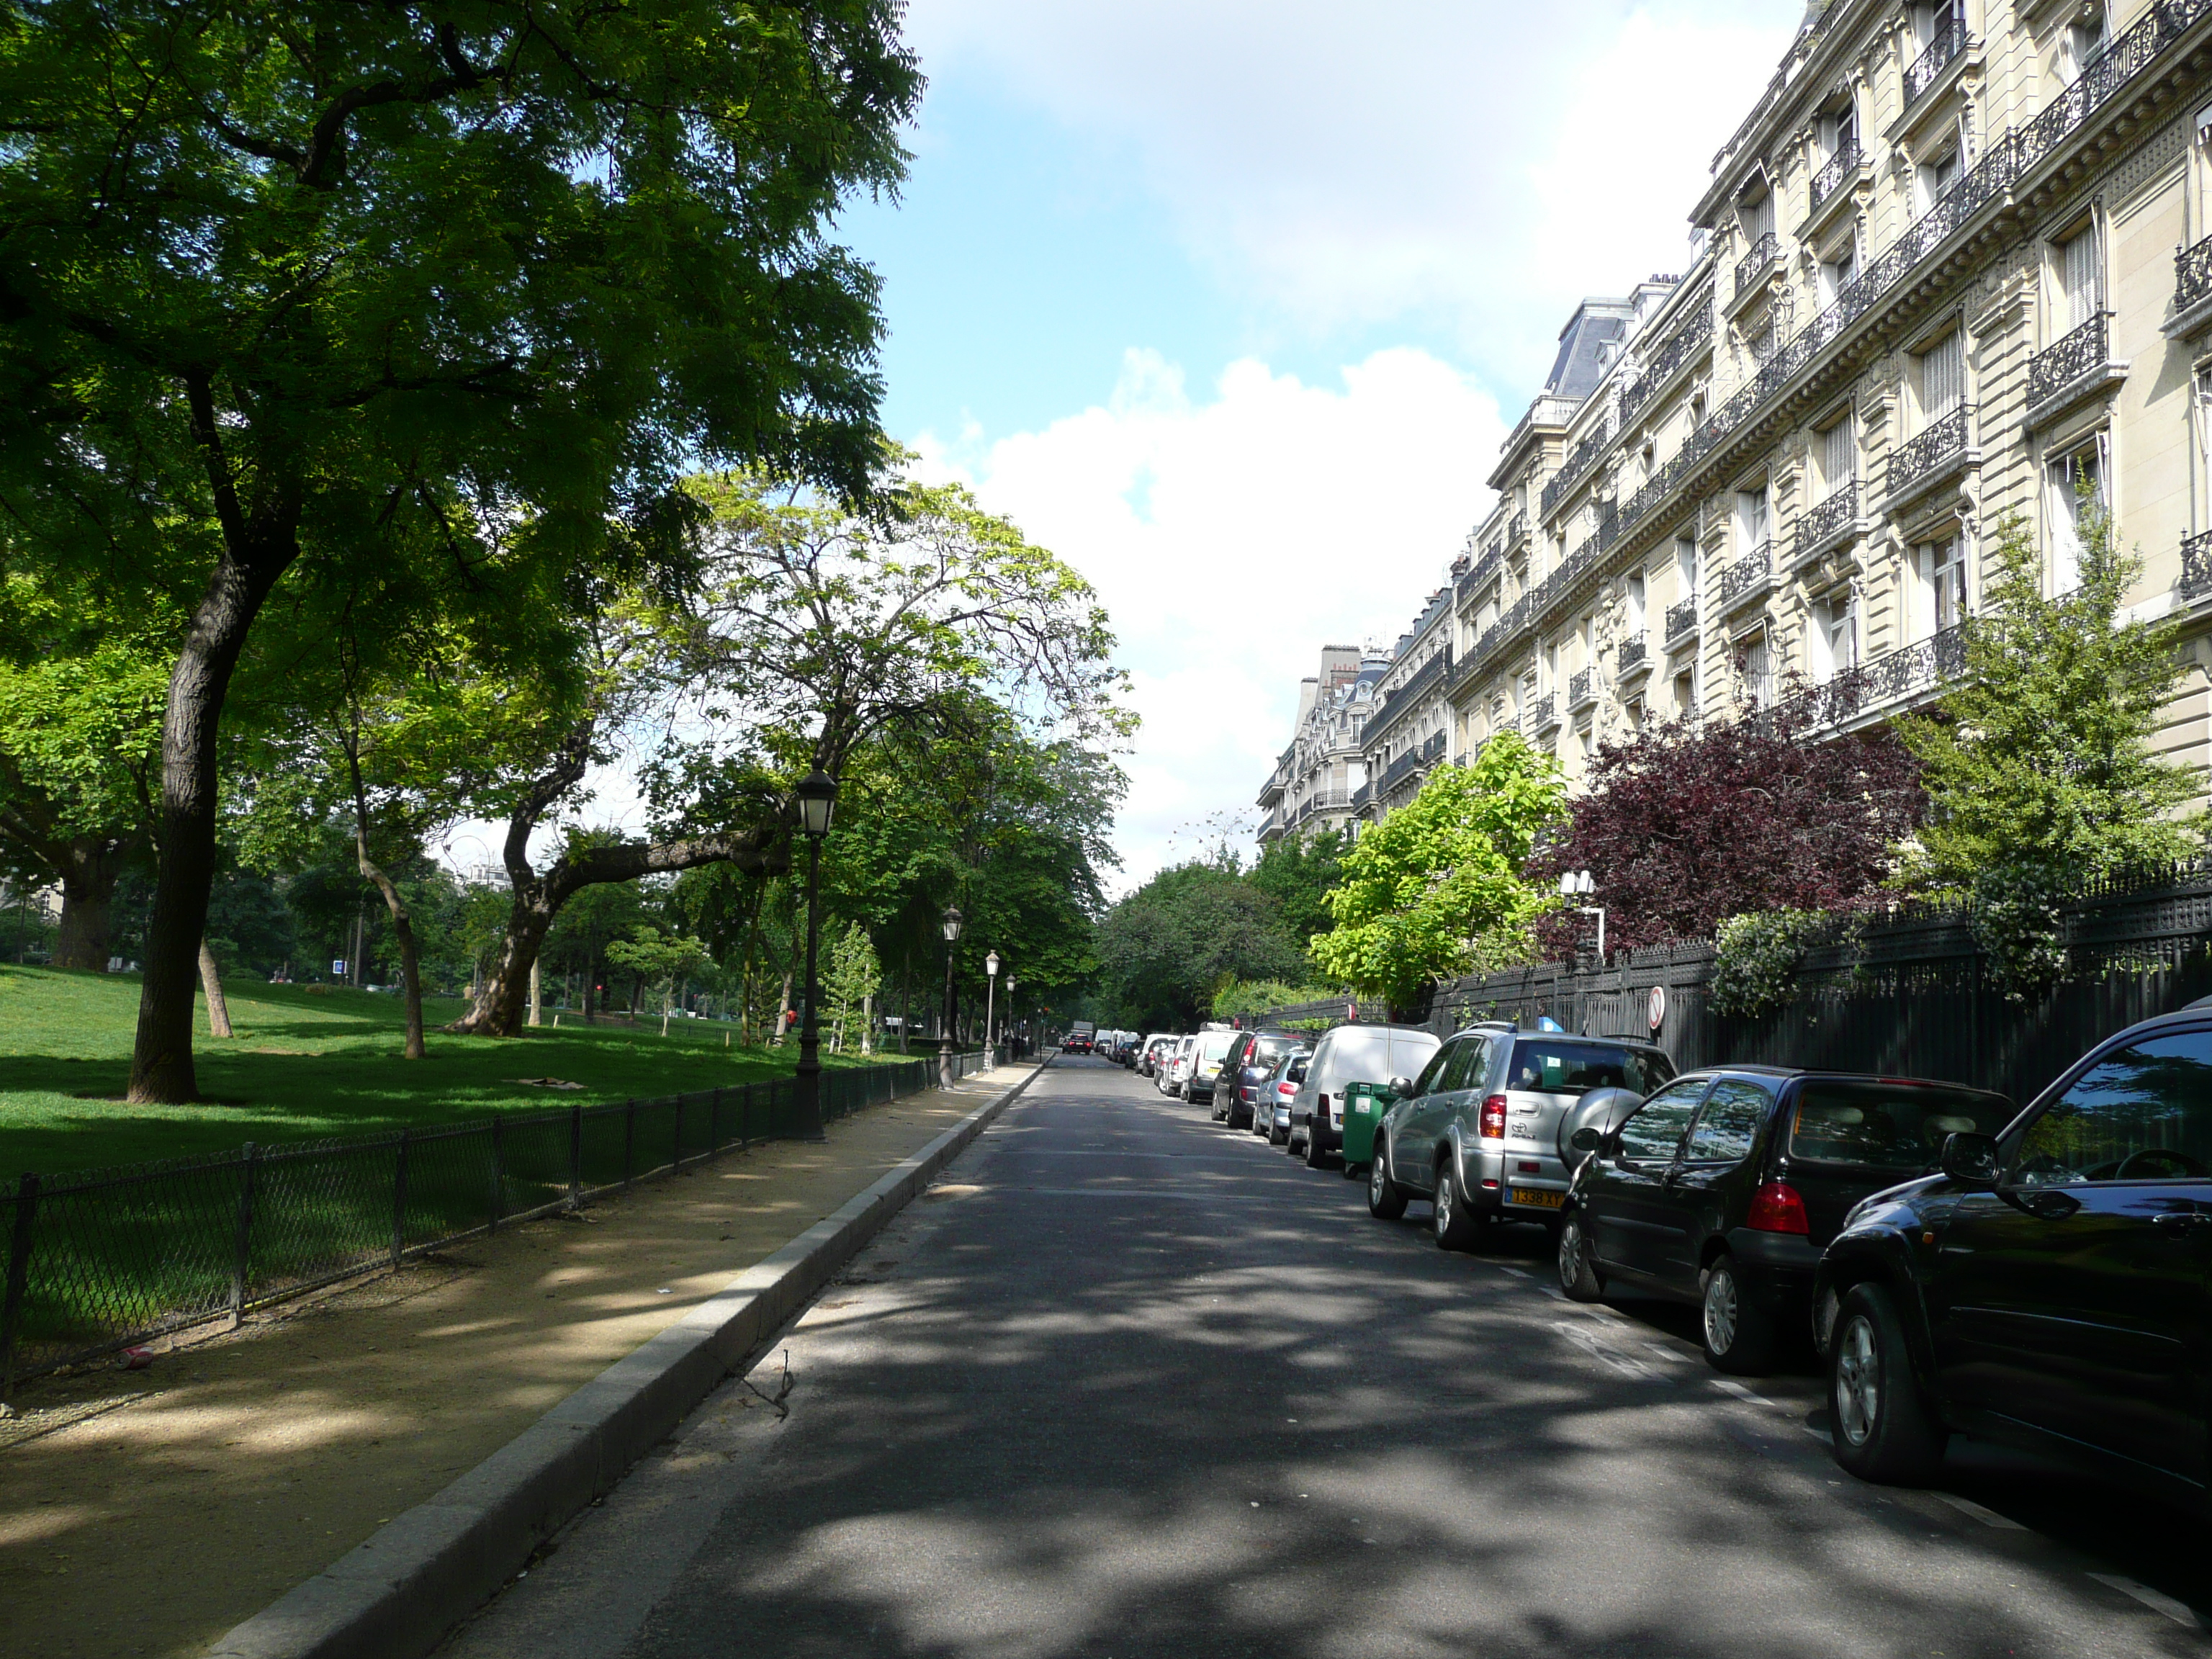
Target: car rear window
{"points": [[1269, 1049], [1574, 1068], [1892, 1126], [1215, 1044]]}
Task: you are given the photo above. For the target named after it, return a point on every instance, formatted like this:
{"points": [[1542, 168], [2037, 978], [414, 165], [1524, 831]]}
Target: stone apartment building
{"points": [[1954, 265], [1315, 778]]}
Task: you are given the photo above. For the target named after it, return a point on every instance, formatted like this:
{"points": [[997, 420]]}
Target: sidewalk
{"points": [[176, 1501]]}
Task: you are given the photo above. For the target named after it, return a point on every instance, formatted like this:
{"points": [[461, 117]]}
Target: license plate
{"points": [[1538, 1197]]}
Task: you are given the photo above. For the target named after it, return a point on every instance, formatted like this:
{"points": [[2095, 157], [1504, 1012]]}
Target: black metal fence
{"points": [[100, 1260], [1907, 993]]}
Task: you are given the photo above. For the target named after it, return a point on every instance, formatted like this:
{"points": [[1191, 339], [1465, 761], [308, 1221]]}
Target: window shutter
{"points": [[2082, 278]]}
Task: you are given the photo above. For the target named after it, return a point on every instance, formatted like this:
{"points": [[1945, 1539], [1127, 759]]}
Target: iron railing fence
{"points": [[1942, 47], [1754, 265], [98, 1260], [1936, 450], [1828, 516], [1840, 165], [2192, 274], [2067, 359]]}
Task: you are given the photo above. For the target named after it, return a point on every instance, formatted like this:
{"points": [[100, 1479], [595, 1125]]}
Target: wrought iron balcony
{"points": [[1634, 654], [2197, 564], [2067, 359], [1584, 457], [1825, 521], [1938, 449], [2192, 274], [1764, 252], [1681, 620], [1687, 340], [1581, 689], [1942, 47], [1748, 577], [1893, 677], [1542, 714], [1518, 529], [1362, 795], [1844, 163]]}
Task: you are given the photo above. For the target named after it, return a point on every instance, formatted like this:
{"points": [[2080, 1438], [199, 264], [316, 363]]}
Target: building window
{"points": [[2075, 489], [1755, 665], [1760, 342], [2081, 45], [1942, 378], [1834, 638], [1837, 271], [1686, 695], [1932, 180], [1751, 521], [1839, 454], [2080, 278], [1841, 131], [1635, 623], [1632, 712], [1939, 593]]}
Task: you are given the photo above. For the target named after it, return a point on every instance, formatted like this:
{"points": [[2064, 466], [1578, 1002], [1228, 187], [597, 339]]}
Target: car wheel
{"points": [[1739, 1333], [1459, 1224], [1220, 1112], [1317, 1154], [1884, 1430], [1578, 1275], [1386, 1198]]}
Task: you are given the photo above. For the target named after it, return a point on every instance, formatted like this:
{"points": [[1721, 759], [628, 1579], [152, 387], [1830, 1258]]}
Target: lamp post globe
{"points": [[816, 799], [951, 926]]}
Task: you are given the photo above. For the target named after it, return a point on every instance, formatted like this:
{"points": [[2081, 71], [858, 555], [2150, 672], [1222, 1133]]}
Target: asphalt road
{"points": [[1128, 1383]]}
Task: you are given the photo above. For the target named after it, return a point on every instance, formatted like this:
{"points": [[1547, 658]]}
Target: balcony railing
{"points": [[1396, 702], [1681, 620], [1362, 795], [1688, 339], [1934, 452], [1890, 678], [1542, 714], [1753, 265], [1518, 529], [2007, 160], [2067, 359], [1821, 524], [1844, 163], [2192, 274], [2197, 564], [1581, 689], [1633, 654], [1942, 47], [1747, 575], [1584, 457]]}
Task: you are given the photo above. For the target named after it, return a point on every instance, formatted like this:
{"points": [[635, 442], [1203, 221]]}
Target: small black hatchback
{"points": [[1722, 1188]]}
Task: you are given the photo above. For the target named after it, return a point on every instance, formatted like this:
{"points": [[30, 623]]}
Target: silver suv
{"points": [[1482, 1131]]}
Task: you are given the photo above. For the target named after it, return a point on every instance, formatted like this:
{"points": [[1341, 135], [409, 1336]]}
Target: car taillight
{"points": [[1775, 1208], [1492, 1125], [1287, 1089]]}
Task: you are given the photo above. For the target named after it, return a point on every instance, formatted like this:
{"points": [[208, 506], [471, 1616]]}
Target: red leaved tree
{"points": [[1685, 826]]}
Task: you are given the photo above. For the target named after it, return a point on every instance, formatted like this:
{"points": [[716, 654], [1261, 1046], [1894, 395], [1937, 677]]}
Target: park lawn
{"points": [[307, 1063]]}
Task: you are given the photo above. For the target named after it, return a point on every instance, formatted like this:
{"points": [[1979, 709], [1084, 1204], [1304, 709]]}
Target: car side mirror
{"points": [[1972, 1160], [1403, 1087], [1586, 1140]]}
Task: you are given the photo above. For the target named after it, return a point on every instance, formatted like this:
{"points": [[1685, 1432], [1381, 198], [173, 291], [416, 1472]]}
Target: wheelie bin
{"points": [[1357, 1111]]}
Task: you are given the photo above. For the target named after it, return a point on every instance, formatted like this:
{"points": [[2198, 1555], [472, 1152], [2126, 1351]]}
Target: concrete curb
{"points": [[400, 1593]]}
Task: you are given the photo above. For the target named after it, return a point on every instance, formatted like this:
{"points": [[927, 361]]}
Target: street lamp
{"points": [[1577, 883], [1015, 1040], [945, 1048], [991, 1010], [817, 804]]}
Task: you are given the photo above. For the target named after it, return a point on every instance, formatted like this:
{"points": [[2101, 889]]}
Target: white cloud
{"points": [[1231, 536], [1480, 166]]}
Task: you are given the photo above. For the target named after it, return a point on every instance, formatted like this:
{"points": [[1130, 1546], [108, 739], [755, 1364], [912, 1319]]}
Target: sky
{"points": [[1231, 304]]}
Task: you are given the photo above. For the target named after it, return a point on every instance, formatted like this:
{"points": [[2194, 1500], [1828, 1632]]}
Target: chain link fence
{"points": [[101, 1259]]}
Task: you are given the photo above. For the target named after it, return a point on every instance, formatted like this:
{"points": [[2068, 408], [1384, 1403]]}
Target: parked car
{"points": [[1244, 1072], [2048, 1287], [1271, 1114], [1723, 1188], [1348, 1054], [1207, 1052], [1156, 1047], [1081, 1035], [1477, 1131], [1176, 1066]]}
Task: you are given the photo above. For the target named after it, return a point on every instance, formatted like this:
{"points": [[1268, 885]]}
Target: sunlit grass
{"points": [[307, 1063]]}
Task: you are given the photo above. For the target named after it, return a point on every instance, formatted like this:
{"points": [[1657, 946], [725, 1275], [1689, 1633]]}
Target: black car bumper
{"points": [[1776, 1269]]}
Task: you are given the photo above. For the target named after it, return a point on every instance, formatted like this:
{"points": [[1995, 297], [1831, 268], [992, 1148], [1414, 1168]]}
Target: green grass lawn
{"points": [[307, 1066]]}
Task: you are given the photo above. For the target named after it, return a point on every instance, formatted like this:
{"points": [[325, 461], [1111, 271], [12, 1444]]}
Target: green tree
{"points": [[1167, 949], [660, 959], [1437, 889], [306, 289], [2037, 764], [849, 986], [1298, 872]]}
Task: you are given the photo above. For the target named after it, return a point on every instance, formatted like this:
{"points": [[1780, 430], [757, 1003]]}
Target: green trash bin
{"points": [[1363, 1104]]}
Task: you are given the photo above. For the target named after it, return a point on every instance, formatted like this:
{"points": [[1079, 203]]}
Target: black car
{"points": [[2048, 1289], [1244, 1073], [1721, 1189]]}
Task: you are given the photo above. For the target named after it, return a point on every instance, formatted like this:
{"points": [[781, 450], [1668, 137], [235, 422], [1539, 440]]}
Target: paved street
{"points": [[1127, 1383]]}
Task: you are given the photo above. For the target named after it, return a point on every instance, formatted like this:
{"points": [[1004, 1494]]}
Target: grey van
{"points": [[1480, 1132], [1349, 1053]]}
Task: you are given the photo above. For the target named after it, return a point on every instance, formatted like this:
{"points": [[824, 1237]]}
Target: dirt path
{"points": [[171, 1503]]}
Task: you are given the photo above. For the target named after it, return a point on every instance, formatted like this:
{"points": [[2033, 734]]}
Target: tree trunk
{"points": [[255, 555], [211, 985], [537, 999], [782, 1009], [90, 866]]}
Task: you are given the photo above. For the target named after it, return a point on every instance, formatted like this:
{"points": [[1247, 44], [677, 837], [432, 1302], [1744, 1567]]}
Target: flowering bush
{"points": [[1756, 958]]}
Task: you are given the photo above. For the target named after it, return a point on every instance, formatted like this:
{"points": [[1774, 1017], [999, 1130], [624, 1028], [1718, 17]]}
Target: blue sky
{"points": [[1230, 304]]}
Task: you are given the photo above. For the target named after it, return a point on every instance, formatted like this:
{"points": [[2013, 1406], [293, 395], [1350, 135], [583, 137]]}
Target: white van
{"points": [[1351, 1053]]}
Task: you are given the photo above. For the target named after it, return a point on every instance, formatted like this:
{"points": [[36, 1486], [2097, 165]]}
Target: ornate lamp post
{"points": [[1577, 883], [817, 802], [945, 1048], [1011, 1041], [991, 1010]]}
